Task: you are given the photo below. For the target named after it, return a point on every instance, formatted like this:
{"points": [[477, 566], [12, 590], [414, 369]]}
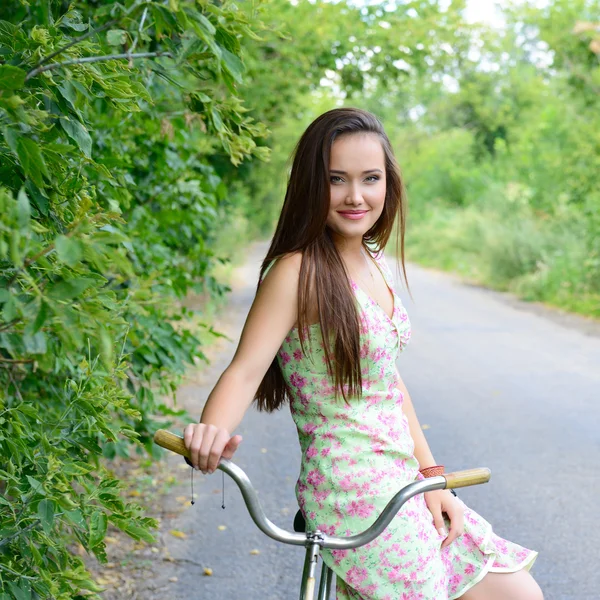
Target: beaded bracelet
{"points": [[432, 471]]}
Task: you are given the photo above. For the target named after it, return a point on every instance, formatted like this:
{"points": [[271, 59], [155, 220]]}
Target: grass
{"points": [[511, 249]]}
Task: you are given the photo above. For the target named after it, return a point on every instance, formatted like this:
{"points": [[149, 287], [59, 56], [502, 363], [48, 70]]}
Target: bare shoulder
{"points": [[284, 269], [271, 317]]}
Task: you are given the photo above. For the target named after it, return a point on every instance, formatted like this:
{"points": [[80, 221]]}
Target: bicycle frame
{"points": [[314, 541]]}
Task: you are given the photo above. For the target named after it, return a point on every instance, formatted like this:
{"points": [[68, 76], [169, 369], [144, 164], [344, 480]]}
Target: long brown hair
{"points": [[302, 227]]}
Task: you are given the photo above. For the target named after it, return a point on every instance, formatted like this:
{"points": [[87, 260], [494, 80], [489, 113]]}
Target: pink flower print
{"points": [[364, 350], [455, 579], [297, 380], [356, 575], [338, 555], [470, 569], [320, 496], [285, 358], [346, 483], [325, 452], [309, 428], [298, 354], [522, 555], [378, 448], [360, 508], [395, 574], [315, 478], [328, 529], [311, 452]]}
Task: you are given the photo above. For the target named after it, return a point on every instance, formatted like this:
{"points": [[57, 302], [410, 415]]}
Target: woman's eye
{"points": [[374, 177]]}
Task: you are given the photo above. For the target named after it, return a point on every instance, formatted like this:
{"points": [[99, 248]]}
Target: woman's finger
{"points": [[210, 431], [188, 434], [231, 447], [195, 435], [438, 519], [216, 450], [455, 514]]}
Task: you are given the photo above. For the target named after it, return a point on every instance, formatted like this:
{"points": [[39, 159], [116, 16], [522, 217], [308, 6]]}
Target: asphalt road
{"points": [[496, 382]]}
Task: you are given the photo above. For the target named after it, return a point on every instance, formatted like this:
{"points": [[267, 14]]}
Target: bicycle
{"points": [[313, 541]]}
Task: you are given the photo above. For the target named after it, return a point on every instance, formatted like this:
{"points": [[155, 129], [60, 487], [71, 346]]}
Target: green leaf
{"points": [[233, 64], [74, 516], [116, 37], [217, 121], [23, 209], [98, 525], [32, 160], [204, 23], [106, 347], [68, 250], [35, 344], [40, 318], [46, 509], [39, 200], [36, 485], [67, 290], [11, 78], [10, 309], [138, 533], [79, 134], [21, 591]]}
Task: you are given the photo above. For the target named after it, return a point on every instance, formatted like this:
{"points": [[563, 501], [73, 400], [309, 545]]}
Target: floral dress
{"points": [[356, 457]]}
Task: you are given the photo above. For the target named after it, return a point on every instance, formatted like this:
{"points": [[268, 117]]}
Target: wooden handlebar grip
{"points": [[468, 477], [171, 442]]}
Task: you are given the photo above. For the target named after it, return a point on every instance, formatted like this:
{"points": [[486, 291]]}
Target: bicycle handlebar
{"points": [[458, 479]]}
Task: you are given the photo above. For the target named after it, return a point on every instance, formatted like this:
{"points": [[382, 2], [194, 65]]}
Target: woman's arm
{"points": [[441, 501], [270, 318], [422, 452]]}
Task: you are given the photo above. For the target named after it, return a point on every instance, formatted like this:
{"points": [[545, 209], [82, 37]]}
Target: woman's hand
{"points": [[208, 444], [442, 501]]}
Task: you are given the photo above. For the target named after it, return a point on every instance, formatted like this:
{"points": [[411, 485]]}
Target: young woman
{"points": [[325, 278]]}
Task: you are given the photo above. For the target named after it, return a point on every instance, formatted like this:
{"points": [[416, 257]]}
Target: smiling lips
{"points": [[353, 214]]}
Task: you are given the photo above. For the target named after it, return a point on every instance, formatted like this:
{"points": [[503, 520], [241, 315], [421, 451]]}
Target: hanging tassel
{"points": [[192, 482], [223, 488]]}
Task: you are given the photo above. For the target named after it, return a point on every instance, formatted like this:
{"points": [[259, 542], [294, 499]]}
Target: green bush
{"points": [[109, 209]]}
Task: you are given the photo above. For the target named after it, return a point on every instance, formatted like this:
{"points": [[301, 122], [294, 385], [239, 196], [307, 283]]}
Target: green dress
{"points": [[356, 457]]}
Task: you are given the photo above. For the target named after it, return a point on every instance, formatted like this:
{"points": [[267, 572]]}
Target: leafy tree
{"points": [[109, 113]]}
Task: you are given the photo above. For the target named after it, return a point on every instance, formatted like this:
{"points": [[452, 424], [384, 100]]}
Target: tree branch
{"points": [[7, 540], [93, 59], [15, 361], [4, 568], [85, 36]]}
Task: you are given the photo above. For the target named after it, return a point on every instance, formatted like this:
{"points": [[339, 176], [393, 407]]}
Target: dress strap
{"points": [[381, 262], [267, 270]]}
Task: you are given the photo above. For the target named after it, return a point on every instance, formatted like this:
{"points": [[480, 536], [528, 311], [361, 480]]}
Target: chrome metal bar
{"points": [[325, 582], [255, 509], [388, 513], [312, 556], [298, 539], [458, 479], [305, 571]]}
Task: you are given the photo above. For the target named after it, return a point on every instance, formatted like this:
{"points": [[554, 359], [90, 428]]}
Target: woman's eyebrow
{"points": [[363, 173]]}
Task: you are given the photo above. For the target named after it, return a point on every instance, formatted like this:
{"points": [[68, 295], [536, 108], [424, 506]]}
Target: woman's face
{"points": [[357, 184]]}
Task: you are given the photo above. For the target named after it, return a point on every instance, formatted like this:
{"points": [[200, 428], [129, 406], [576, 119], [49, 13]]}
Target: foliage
{"points": [[109, 204], [501, 162]]}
